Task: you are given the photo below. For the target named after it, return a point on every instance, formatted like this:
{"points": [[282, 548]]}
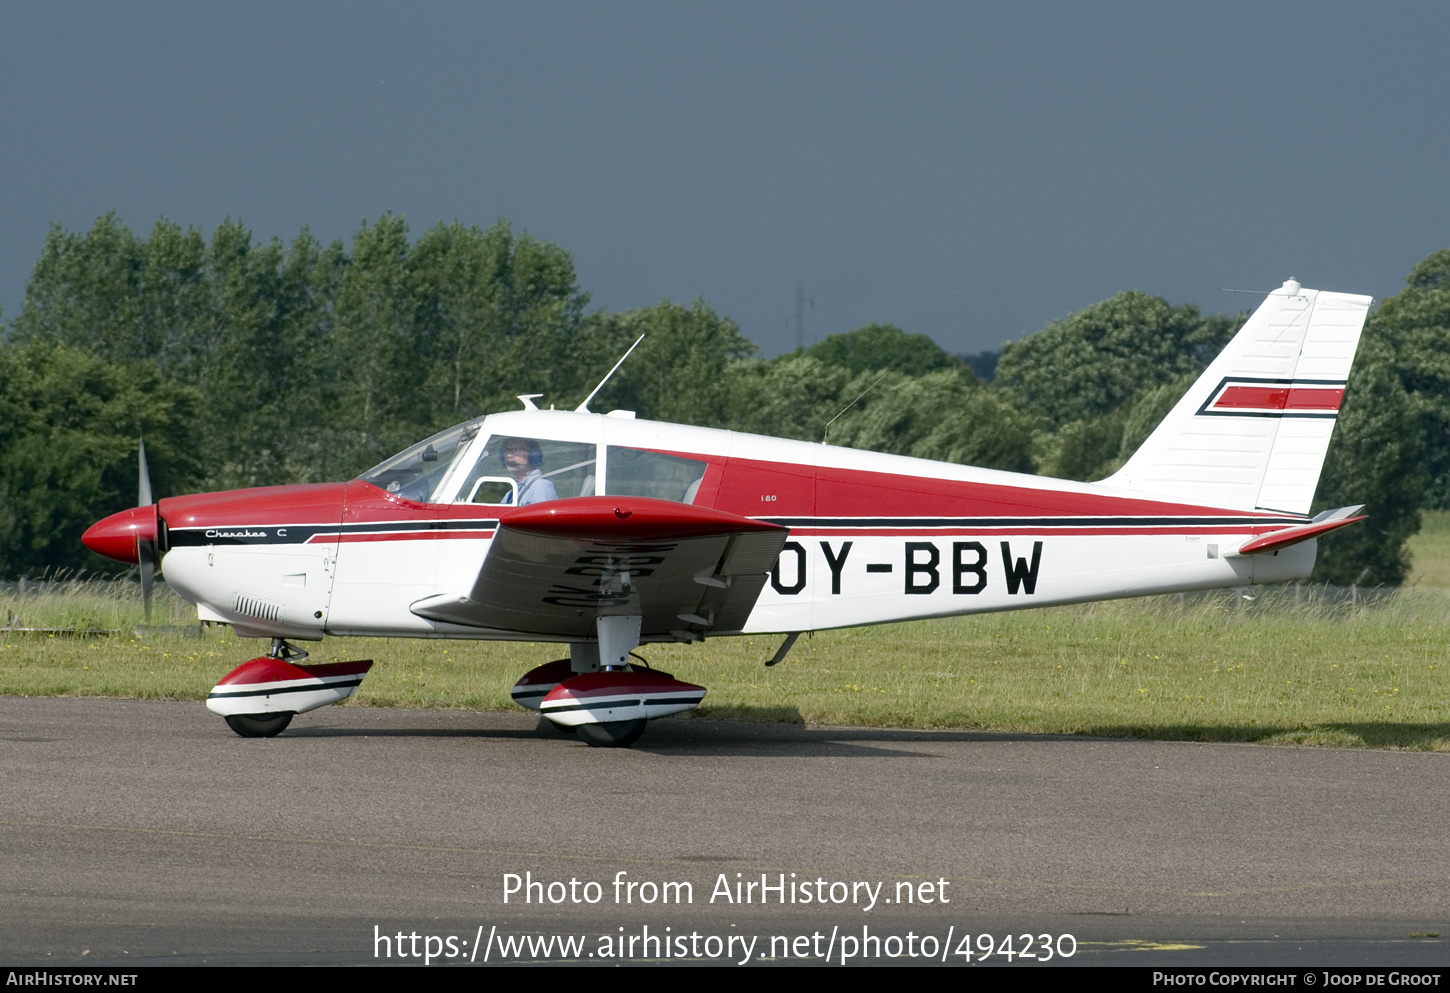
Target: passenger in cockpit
{"points": [[522, 459]]}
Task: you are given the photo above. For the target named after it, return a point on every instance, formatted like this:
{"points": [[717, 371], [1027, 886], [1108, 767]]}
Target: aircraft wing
{"points": [[555, 567]]}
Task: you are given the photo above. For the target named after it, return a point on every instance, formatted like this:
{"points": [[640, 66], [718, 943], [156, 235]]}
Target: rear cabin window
{"points": [[635, 472]]}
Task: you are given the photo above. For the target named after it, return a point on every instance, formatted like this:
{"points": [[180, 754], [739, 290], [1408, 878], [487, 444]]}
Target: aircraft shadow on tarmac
{"points": [[694, 736], [782, 730], [1372, 734]]}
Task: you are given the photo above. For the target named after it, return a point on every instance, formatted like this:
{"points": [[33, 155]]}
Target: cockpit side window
{"points": [[635, 472], [553, 470]]}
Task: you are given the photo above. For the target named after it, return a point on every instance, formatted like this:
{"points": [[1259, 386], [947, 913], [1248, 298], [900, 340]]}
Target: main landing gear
{"points": [[613, 734], [258, 699], [597, 693]]}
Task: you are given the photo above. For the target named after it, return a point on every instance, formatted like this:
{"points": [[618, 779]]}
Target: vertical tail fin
{"points": [[1252, 431]]}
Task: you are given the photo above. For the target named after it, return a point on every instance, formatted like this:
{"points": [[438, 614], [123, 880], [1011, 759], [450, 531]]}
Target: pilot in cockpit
{"points": [[522, 459]]}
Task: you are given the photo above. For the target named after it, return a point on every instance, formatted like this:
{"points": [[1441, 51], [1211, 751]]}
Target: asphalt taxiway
{"points": [[141, 831]]}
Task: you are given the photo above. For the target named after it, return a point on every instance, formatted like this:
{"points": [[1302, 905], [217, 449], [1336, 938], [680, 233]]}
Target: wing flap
{"points": [[743, 570]]}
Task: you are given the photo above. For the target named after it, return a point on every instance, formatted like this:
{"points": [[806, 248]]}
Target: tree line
{"points": [[254, 364]]}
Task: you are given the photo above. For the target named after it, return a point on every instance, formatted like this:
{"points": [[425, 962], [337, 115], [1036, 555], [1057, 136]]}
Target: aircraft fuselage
{"points": [[873, 538]]}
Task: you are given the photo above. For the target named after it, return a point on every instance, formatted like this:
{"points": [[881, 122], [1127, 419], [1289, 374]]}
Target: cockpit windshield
{"points": [[417, 473]]}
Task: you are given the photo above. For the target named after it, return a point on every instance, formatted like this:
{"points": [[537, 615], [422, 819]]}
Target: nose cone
{"points": [[115, 537]]}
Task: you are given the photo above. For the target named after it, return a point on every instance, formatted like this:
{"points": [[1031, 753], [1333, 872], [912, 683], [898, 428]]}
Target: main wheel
{"points": [[259, 725], [612, 734]]}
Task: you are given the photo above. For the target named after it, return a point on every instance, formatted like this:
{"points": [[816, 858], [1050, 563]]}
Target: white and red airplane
{"points": [[605, 532]]}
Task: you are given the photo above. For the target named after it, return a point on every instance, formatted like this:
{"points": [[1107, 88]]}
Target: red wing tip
{"points": [[632, 517]]}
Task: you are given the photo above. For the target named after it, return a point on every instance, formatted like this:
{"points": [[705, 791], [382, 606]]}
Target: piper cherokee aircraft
{"points": [[604, 532]]}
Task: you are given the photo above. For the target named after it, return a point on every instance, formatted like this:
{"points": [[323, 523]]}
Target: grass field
{"points": [[1294, 665], [1430, 552]]}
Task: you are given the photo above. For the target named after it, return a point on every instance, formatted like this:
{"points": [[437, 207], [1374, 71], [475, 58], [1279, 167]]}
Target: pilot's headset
{"points": [[536, 454]]}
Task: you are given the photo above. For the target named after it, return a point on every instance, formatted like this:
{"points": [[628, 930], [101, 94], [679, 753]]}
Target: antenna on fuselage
{"points": [[827, 433], [584, 407]]}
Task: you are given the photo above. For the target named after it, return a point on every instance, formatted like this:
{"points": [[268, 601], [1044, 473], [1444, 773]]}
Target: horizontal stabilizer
{"points": [[1322, 524]]}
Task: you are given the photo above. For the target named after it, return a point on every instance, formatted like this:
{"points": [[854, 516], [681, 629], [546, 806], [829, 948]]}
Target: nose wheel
{"points": [[259, 725]]}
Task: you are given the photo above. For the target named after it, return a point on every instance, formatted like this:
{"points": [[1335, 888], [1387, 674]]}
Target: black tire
{"points": [[547, 726], [612, 734], [259, 725]]}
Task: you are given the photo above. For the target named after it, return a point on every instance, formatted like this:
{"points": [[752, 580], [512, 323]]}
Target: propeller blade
{"points": [[143, 496], [145, 547], [146, 556]]}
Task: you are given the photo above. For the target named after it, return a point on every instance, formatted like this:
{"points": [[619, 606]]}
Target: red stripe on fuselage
{"points": [[752, 488], [1026, 529], [398, 536]]}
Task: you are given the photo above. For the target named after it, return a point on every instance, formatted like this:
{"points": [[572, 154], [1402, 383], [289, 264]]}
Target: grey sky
{"points": [[966, 171]]}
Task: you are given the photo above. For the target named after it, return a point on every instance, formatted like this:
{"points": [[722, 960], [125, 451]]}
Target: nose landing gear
{"points": [[258, 699]]}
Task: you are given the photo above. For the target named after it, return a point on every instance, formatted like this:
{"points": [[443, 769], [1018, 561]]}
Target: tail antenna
{"points": [[584, 407]]}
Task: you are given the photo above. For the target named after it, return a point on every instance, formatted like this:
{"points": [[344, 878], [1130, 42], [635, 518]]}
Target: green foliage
{"points": [[1416, 326], [944, 415], [373, 350], [880, 389], [793, 396], [881, 347], [495, 314], [1095, 361], [316, 362], [1084, 449], [115, 296], [1144, 416], [256, 357], [1099, 381], [68, 432], [679, 373], [432, 333], [1375, 458], [1096, 448], [1391, 446]]}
